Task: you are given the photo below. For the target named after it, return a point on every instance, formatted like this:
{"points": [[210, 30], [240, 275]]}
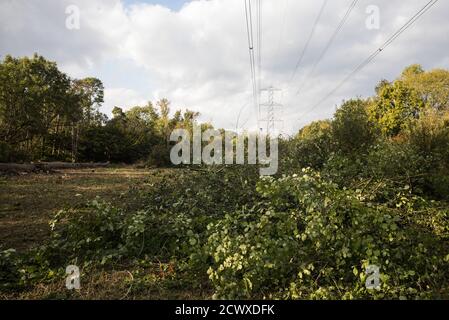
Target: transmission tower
{"points": [[271, 110]]}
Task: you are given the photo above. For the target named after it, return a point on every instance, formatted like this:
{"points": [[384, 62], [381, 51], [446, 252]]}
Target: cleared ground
{"points": [[28, 201]]}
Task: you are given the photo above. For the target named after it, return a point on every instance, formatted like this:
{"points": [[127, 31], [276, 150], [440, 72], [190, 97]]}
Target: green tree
{"points": [[310, 148], [352, 131], [431, 86], [393, 106], [92, 93], [36, 100]]}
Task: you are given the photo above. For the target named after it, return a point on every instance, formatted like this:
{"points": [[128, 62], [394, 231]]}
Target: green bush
{"points": [[10, 277], [309, 239], [94, 233], [343, 170], [429, 136], [21, 270], [159, 156], [352, 131], [310, 148], [397, 162], [430, 132], [170, 222]]}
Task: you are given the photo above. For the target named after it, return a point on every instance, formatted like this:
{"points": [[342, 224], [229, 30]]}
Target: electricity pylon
{"points": [[271, 110]]}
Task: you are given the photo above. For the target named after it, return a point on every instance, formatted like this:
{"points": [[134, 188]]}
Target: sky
{"points": [[172, 4], [195, 53]]}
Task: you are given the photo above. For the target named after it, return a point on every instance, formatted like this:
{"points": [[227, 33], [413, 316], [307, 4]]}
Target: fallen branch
{"points": [[45, 166]]}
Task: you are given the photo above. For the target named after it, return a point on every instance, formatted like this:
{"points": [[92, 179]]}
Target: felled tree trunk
{"points": [[49, 166]]}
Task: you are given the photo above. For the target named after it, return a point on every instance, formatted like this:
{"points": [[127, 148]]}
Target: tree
{"points": [[352, 130], [92, 92], [164, 120], [393, 106], [412, 71], [310, 148], [36, 99], [117, 113], [45, 115], [432, 86]]}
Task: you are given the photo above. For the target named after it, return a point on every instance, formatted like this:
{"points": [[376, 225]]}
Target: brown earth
{"points": [[28, 201]]}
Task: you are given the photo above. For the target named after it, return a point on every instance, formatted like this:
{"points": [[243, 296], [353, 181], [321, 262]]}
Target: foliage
{"points": [[429, 133], [9, 270], [309, 239], [172, 218], [36, 100], [309, 148], [95, 234], [432, 86], [394, 105], [351, 129], [45, 115]]}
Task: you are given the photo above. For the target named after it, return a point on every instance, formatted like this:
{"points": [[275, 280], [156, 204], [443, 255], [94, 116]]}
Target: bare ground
{"points": [[28, 201]]}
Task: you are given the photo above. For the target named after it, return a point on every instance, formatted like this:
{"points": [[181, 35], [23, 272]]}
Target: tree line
{"points": [[46, 115], [401, 133]]}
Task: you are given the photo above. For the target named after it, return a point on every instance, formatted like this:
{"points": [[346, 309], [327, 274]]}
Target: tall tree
{"points": [[432, 86], [393, 106], [34, 98], [91, 92]]}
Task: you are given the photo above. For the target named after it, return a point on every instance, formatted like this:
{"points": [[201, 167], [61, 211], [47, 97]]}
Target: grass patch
{"points": [[27, 202]]}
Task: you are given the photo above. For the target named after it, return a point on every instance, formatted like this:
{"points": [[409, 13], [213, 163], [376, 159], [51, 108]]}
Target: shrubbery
{"points": [[299, 236], [310, 239]]}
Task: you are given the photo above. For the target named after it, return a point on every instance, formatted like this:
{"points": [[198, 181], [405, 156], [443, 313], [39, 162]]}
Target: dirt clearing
{"points": [[28, 201]]}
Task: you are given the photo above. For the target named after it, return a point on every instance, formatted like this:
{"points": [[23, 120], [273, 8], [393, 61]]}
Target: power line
{"points": [[244, 123], [390, 40], [259, 57], [238, 117], [255, 49], [328, 44], [249, 29], [306, 46]]}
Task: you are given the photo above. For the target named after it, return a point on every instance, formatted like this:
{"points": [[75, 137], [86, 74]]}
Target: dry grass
{"points": [[134, 284], [28, 201]]}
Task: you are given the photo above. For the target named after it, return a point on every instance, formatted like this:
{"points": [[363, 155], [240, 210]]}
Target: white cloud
{"points": [[198, 56]]}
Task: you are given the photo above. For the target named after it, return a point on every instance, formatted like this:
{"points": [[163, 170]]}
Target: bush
{"points": [[343, 170], [309, 239], [310, 148], [352, 131], [170, 222], [95, 233], [429, 136], [10, 277], [159, 156], [398, 162]]}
